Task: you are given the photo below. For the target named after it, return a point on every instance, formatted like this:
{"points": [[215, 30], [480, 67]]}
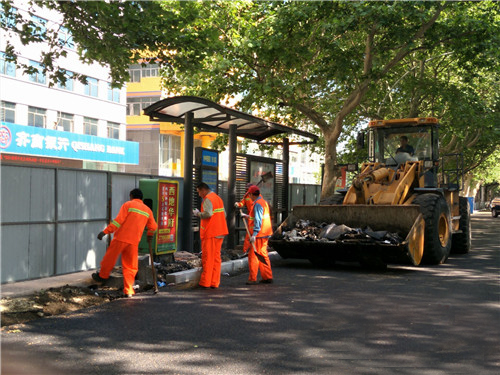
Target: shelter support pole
{"points": [[231, 188], [187, 200], [286, 176]]}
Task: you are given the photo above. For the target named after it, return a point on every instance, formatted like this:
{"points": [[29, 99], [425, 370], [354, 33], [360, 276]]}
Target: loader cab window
{"points": [[395, 141]]}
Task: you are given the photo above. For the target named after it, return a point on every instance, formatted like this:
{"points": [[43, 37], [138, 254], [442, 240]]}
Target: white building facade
{"points": [[93, 109]]}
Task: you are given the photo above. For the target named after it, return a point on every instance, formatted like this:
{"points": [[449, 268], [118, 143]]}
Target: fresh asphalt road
{"points": [[346, 320]]}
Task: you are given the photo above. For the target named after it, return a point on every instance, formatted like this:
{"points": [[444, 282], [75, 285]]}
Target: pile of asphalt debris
{"points": [[185, 261], [306, 230]]}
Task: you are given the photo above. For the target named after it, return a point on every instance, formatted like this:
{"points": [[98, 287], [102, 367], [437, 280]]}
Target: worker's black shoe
{"points": [[201, 287], [98, 278], [251, 282], [267, 281]]}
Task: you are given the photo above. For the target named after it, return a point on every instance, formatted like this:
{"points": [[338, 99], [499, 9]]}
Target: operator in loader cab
{"points": [[404, 146]]}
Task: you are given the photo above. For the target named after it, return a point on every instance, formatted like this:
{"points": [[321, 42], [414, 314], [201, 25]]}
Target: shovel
{"points": [[153, 266]]}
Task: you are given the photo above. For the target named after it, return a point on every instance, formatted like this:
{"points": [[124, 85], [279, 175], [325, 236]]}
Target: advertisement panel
{"points": [[30, 140], [207, 162], [168, 215], [257, 169]]}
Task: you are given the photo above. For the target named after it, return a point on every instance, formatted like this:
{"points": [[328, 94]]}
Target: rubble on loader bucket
{"points": [[393, 234]]}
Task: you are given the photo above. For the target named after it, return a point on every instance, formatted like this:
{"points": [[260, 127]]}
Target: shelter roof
{"points": [[213, 117]]}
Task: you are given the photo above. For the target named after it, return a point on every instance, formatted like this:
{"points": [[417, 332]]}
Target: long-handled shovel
{"points": [[153, 266], [260, 257]]}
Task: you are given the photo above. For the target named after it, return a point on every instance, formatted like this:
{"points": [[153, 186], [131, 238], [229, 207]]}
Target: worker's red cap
{"points": [[253, 190], [249, 185]]}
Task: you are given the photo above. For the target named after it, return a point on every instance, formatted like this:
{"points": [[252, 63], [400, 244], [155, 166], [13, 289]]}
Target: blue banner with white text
{"points": [[30, 140]]}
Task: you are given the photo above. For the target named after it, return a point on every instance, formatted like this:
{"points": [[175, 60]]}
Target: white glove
{"points": [[236, 205], [196, 212], [245, 216], [252, 239]]}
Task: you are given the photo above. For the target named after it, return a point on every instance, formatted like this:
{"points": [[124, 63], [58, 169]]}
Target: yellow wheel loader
{"points": [[403, 207]]}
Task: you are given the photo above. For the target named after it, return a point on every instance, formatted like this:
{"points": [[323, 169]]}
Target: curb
{"points": [[83, 278], [230, 267]]}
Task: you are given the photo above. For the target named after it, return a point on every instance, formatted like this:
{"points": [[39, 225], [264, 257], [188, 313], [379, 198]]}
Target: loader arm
{"points": [[379, 185]]}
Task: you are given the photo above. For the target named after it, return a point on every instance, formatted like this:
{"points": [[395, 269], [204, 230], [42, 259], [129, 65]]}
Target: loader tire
{"points": [[437, 234], [332, 199], [460, 243]]}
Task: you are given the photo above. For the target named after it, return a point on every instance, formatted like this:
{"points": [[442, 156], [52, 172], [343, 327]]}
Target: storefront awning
{"points": [[213, 117]]}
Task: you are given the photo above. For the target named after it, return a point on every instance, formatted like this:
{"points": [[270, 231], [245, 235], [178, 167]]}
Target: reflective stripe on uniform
{"points": [[138, 211], [116, 223]]}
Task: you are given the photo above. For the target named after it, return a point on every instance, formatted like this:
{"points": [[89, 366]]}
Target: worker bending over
{"points": [[128, 228]]}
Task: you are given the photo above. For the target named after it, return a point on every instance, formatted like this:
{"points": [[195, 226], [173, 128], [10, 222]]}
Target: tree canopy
{"points": [[325, 66]]}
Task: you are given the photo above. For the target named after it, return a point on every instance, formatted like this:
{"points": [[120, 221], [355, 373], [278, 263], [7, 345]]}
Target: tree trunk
{"points": [[332, 170], [470, 187]]}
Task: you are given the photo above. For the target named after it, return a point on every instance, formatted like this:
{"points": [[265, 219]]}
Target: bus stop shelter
{"points": [[212, 117]]}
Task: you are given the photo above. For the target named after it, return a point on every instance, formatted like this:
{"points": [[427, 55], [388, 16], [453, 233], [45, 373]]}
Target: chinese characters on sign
{"points": [[207, 166], [210, 159], [29, 140], [167, 215]]}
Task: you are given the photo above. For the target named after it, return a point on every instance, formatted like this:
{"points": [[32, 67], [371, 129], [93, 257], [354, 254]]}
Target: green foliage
{"points": [[323, 66], [114, 34]]}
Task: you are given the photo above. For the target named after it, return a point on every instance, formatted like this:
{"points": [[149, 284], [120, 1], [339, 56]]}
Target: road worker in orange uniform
{"points": [[248, 203], [213, 228], [128, 228], [261, 229]]}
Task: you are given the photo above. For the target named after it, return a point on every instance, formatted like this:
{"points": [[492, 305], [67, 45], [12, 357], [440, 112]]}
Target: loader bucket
{"points": [[406, 221]]}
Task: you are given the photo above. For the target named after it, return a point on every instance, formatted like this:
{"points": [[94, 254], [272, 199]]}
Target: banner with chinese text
{"points": [[30, 140], [168, 216]]}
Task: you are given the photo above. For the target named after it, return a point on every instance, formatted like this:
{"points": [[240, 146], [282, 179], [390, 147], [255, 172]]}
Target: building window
{"points": [[113, 94], [68, 85], [6, 67], [170, 153], [37, 75], [138, 71], [136, 105], [65, 38], [90, 126], [8, 112], [91, 88], [113, 130], [37, 117], [38, 27], [8, 17], [65, 122]]}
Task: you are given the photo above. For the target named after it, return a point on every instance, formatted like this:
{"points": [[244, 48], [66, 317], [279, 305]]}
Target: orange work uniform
{"points": [[213, 228], [248, 203], [128, 228], [260, 227]]}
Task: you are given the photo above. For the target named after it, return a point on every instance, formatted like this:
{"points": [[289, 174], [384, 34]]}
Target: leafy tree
{"points": [[320, 64], [112, 33], [458, 86], [319, 61]]}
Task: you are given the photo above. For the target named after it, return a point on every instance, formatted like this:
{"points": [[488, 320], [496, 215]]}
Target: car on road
{"points": [[495, 206]]}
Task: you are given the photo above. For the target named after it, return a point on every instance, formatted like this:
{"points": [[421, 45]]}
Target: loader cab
{"points": [[422, 133]]}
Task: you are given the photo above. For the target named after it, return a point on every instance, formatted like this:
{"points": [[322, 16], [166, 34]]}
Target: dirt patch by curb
{"points": [[60, 300]]}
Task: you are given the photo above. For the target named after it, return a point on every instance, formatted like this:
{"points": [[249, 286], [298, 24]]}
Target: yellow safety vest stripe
{"points": [[138, 212]]}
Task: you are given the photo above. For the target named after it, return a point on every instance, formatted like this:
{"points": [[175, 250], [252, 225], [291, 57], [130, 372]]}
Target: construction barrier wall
{"points": [[50, 217]]}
